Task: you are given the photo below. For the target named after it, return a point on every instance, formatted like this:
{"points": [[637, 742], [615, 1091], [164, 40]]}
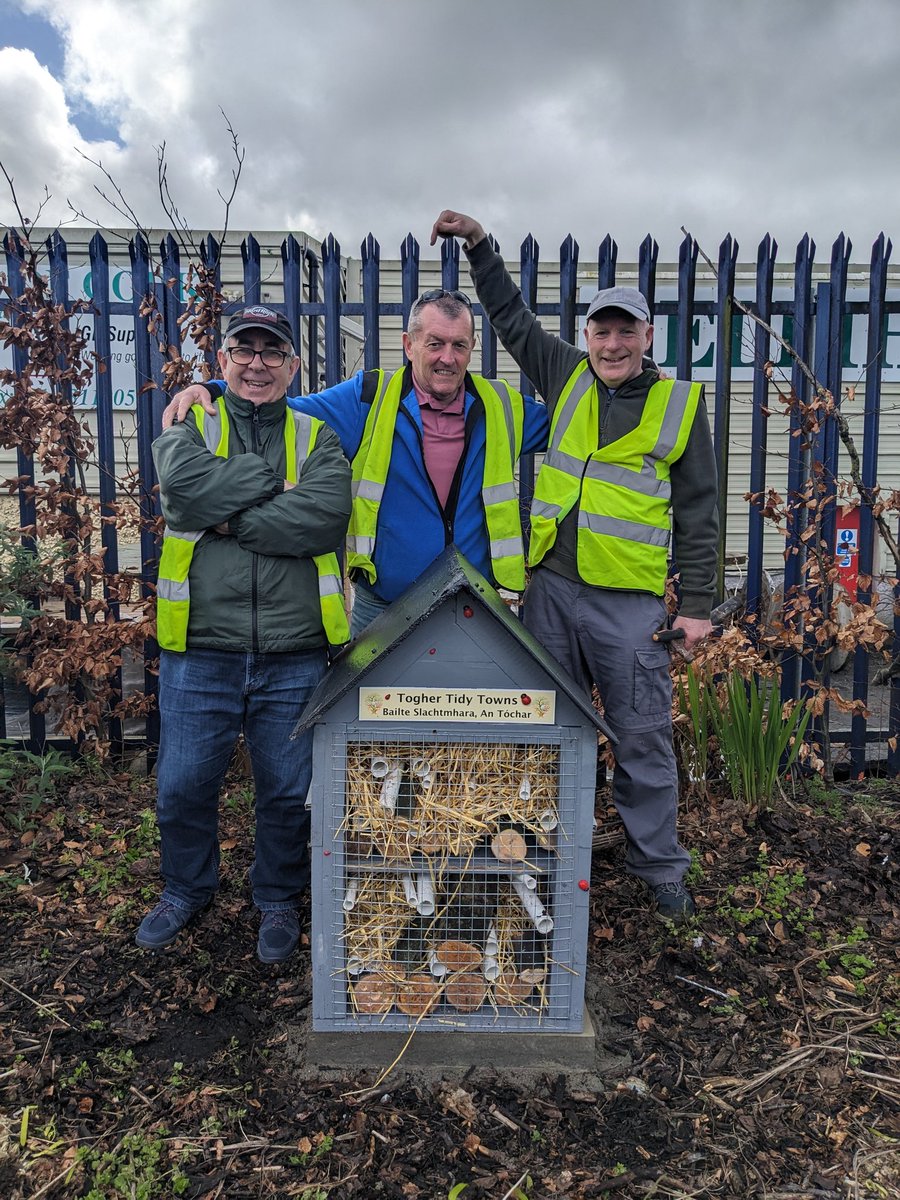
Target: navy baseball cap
{"points": [[258, 316]]}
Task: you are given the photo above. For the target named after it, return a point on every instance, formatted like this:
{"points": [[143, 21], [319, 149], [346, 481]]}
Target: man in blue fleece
{"points": [[434, 451]]}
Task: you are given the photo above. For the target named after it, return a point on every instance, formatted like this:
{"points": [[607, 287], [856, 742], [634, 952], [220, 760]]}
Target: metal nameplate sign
{"points": [[457, 704]]}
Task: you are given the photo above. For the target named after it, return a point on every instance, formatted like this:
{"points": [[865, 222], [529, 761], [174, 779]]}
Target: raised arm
{"points": [[546, 359]]}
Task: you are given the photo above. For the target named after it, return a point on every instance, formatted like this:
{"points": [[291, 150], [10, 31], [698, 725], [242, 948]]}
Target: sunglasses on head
{"points": [[439, 294]]}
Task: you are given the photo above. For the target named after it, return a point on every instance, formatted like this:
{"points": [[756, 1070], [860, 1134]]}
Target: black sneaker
{"points": [[279, 934], [162, 925], [673, 901]]}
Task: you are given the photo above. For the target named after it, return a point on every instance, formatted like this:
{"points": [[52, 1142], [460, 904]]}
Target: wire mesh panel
{"points": [[446, 880]]}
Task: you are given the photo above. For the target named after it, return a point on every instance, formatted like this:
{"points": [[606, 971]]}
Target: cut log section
{"points": [[375, 994], [466, 992], [417, 995], [459, 956], [509, 846], [533, 975], [512, 989]]}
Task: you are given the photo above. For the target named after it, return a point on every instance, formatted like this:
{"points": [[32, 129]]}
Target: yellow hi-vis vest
{"points": [[504, 417], [623, 489], [173, 592]]}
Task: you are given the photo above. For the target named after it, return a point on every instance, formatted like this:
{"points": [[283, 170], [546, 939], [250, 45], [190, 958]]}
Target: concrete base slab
{"points": [[501, 1052]]}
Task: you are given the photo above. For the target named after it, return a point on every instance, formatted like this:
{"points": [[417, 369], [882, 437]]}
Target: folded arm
{"points": [[199, 490], [306, 519]]}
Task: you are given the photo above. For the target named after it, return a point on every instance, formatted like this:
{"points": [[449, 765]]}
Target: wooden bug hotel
{"points": [[452, 814]]}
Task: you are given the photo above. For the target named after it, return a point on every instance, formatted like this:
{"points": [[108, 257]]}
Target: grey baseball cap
{"points": [[630, 300]]}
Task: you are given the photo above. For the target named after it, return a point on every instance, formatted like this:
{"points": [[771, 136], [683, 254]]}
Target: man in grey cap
{"points": [[630, 460], [249, 597]]}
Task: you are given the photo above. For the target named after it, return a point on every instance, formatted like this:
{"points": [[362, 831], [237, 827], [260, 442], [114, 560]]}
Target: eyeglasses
{"points": [[270, 356], [439, 294]]}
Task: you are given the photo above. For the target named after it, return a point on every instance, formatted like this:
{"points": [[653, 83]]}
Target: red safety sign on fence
{"points": [[847, 549]]}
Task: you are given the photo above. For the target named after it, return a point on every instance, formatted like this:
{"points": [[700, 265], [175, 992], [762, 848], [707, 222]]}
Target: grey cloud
{"points": [[580, 116]]}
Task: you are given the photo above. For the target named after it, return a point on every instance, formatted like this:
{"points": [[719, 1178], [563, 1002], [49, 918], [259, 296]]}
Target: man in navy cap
{"points": [[256, 497], [630, 460], [434, 450]]}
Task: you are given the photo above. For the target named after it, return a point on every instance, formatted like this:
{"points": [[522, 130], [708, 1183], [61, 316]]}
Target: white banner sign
{"points": [[121, 337], [456, 704]]}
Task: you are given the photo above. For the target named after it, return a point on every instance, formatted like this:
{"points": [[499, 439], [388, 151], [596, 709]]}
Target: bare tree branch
{"points": [[831, 408], [25, 223], [239, 152]]}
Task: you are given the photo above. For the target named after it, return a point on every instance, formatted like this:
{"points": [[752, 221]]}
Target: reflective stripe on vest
{"points": [[173, 587], [622, 489], [504, 418]]}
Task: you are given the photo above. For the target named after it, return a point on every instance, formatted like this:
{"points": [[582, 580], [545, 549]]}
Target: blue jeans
{"points": [[366, 607], [206, 699]]}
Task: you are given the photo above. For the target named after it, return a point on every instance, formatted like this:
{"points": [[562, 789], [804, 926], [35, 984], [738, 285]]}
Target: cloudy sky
{"points": [[541, 116]]}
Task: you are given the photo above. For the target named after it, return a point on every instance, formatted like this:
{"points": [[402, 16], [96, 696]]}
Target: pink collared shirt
{"points": [[444, 437]]}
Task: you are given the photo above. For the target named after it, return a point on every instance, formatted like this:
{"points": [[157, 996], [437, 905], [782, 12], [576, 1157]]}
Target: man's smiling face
{"points": [[616, 345], [257, 381], [439, 350]]}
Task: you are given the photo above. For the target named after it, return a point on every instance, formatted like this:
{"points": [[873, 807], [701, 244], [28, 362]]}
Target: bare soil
{"points": [[754, 1054]]}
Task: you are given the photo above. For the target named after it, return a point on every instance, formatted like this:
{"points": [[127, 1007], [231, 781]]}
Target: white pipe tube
{"points": [[425, 892], [420, 767], [525, 790], [548, 820], [435, 966], [350, 895], [355, 965], [409, 891], [527, 881], [379, 767], [491, 943], [537, 914], [490, 969], [390, 789]]}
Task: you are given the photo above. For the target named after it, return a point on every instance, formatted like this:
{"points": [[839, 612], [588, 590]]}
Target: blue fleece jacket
{"points": [[412, 528]]}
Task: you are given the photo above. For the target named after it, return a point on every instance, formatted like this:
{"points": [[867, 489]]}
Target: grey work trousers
{"points": [[604, 637]]}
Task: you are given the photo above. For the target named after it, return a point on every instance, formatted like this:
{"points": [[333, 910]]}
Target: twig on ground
{"points": [[45, 1009], [512, 1191], [703, 987]]}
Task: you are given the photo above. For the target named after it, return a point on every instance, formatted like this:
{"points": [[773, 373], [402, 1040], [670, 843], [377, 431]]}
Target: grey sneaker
{"points": [[162, 925], [279, 934], [673, 901]]}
